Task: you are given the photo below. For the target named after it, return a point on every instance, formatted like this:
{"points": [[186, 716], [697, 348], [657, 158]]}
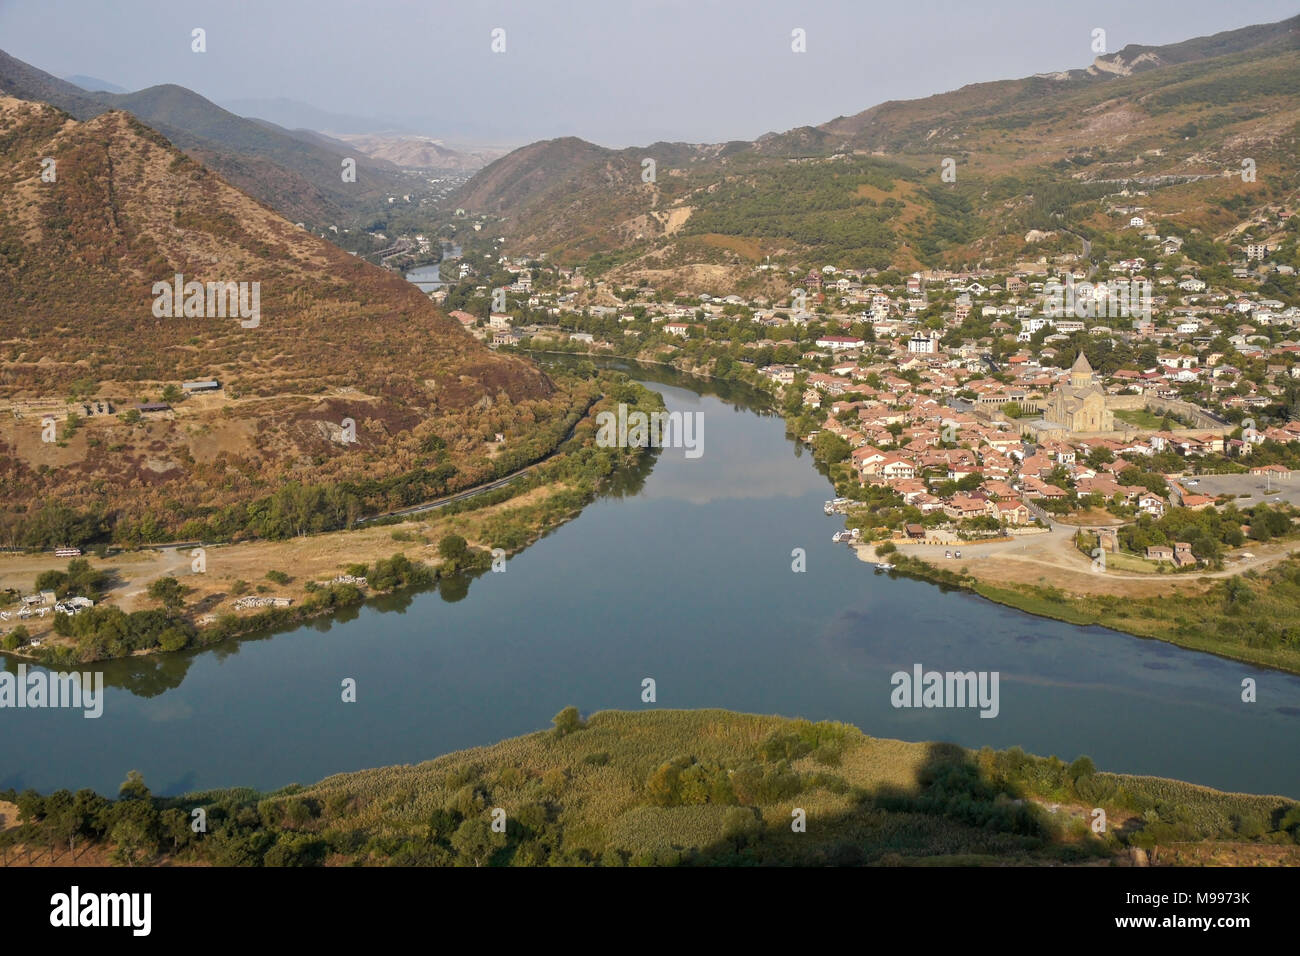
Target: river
{"points": [[683, 575], [429, 278]]}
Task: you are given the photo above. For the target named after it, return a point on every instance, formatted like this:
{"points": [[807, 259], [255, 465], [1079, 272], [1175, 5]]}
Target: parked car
{"points": [[956, 554], [947, 554]]}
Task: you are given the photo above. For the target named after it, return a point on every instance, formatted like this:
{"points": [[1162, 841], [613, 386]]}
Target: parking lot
{"points": [[1253, 486]]}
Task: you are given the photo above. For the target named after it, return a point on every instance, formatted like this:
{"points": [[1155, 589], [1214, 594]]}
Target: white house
{"points": [[838, 343], [922, 344]]}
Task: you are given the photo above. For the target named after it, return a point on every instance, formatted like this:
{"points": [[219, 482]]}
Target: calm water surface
{"points": [[685, 576]]}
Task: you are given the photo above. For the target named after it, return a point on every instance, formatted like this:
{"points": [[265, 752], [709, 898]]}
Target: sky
{"points": [[615, 72]]}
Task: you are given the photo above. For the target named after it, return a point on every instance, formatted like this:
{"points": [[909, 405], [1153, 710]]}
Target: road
{"points": [[1087, 251], [480, 489], [443, 502]]}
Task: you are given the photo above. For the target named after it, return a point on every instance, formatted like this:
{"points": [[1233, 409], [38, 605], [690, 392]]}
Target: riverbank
{"points": [[237, 589], [618, 789], [1209, 620], [1245, 621]]}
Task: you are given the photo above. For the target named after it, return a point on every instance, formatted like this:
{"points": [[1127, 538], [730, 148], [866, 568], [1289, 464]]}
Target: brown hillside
{"points": [[336, 338]]}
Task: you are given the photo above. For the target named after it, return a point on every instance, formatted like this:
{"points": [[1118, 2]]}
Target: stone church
{"points": [[1079, 403]]}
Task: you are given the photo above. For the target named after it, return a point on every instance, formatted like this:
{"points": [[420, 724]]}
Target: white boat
{"points": [[884, 566]]}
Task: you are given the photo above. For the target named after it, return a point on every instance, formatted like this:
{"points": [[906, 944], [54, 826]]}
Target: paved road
{"points": [[443, 502], [1087, 252], [481, 489]]}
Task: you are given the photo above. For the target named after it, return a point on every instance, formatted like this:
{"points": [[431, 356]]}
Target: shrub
{"points": [[16, 638], [173, 639], [567, 721], [453, 547]]}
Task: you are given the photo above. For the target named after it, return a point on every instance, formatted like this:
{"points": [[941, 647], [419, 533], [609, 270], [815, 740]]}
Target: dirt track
{"points": [[1052, 559]]}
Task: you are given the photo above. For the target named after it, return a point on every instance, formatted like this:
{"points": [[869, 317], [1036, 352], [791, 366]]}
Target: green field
{"points": [[1142, 418]]}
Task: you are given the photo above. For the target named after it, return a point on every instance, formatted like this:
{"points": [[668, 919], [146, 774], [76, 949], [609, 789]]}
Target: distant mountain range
{"points": [[297, 173], [294, 114], [93, 84], [866, 190], [420, 152]]}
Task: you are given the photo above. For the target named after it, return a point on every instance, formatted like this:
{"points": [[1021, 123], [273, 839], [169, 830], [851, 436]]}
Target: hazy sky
{"points": [[617, 72]]}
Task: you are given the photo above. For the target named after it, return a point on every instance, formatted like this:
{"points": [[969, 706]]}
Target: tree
{"points": [[742, 826], [453, 547], [169, 591], [173, 639], [1237, 592], [134, 830], [133, 787], [63, 821], [94, 811], [17, 638], [1099, 456], [1080, 768], [475, 841], [830, 448], [567, 721]]}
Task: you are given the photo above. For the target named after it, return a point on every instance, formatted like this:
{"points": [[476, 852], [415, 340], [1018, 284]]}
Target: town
{"points": [[969, 406]]}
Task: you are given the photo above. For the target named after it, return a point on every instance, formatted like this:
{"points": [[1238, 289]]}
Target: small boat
{"points": [[884, 566]]}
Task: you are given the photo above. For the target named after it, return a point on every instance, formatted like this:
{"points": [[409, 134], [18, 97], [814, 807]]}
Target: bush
{"points": [[1081, 767], [167, 590], [173, 639], [453, 547], [742, 826], [567, 721]]}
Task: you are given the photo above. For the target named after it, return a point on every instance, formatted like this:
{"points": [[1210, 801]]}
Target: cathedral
{"points": [[1079, 403]]}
